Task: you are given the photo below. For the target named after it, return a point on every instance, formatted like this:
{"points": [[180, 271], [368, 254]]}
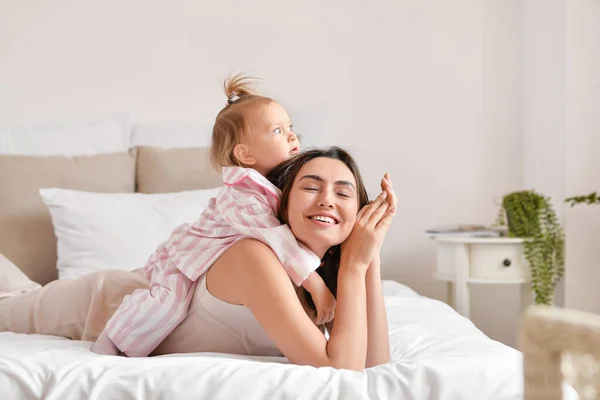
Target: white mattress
{"points": [[436, 354]]}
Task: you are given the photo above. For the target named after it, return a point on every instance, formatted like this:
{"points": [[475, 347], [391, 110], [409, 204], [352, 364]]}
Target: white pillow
{"points": [[97, 136], [97, 231]]}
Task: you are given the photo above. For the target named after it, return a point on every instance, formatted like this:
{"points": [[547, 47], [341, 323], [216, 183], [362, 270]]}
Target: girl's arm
{"points": [[321, 296]]}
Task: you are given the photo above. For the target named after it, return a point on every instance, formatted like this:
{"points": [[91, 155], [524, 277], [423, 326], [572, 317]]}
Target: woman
{"points": [[246, 304]]}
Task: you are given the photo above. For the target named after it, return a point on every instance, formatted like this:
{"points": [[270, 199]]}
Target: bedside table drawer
{"points": [[463, 261], [501, 262]]}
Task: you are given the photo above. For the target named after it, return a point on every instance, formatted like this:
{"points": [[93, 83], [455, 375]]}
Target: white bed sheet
{"points": [[436, 354]]}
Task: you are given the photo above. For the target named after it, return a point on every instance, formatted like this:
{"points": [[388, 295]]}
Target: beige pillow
{"points": [[26, 232], [169, 170]]}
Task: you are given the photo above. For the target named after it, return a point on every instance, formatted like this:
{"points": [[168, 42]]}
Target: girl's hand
{"points": [[325, 305]]}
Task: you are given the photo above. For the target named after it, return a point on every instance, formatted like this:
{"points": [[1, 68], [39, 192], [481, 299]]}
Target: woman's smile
{"points": [[325, 220]]}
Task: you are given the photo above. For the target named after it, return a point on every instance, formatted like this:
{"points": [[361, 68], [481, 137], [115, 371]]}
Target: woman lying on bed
{"points": [[246, 303]]}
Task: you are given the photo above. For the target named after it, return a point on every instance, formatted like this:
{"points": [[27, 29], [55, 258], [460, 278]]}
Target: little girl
{"points": [[251, 135]]}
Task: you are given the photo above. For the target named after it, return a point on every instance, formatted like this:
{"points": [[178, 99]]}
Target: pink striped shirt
{"points": [[245, 208]]}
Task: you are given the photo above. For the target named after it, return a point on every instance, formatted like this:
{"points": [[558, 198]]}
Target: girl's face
{"points": [[323, 203], [273, 140]]}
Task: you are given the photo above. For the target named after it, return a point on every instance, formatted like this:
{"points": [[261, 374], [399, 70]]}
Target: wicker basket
{"points": [[560, 345]]}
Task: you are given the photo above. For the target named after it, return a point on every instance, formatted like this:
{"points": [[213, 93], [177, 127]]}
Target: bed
{"points": [[57, 185], [436, 354]]}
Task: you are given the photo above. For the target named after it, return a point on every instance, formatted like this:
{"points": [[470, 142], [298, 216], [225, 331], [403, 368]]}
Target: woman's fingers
{"points": [[384, 205], [327, 318], [376, 216], [392, 199], [361, 212], [392, 202], [385, 222], [386, 182], [386, 185], [391, 212], [369, 209]]}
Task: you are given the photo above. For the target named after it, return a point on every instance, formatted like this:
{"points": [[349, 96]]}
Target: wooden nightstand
{"points": [[463, 260]]}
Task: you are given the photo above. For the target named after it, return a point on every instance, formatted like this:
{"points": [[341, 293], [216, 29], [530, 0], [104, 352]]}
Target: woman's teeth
{"points": [[323, 219]]}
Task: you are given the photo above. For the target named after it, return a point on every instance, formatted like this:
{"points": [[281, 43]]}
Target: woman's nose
{"points": [[325, 201]]}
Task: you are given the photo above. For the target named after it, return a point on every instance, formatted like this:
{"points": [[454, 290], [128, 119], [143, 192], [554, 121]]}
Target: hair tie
{"points": [[233, 97]]}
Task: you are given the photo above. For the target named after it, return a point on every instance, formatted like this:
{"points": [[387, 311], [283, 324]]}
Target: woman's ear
{"points": [[244, 155]]}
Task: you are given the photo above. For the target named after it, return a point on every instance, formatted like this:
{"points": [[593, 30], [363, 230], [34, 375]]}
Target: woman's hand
{"points": [[392, 200], [372, 224]]}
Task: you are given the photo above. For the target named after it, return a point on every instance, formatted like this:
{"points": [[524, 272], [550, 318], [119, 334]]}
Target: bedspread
{"points": [[436, 354]]}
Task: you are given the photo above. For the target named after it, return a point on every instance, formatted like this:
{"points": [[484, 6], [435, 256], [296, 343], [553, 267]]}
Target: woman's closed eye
{"points": [[315, 189]]}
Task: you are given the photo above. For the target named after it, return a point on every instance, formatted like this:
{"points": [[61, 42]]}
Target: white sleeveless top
{"points": [[213, 325]]}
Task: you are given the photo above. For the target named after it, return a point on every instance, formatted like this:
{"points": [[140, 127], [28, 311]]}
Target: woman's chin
{"points": [[319, 245], [318, 239]]}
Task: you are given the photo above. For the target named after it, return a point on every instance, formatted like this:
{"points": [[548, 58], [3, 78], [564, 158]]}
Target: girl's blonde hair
{"points": [[231, 125]]}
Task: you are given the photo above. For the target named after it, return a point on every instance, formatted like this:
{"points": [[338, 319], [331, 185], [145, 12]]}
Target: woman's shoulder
{"points": [[249, 259], [247, 269], [253, 249]]}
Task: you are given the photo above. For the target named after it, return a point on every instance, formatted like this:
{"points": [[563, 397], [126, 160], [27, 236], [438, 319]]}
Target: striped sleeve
{"points": [[248, 211], [146, 317]]}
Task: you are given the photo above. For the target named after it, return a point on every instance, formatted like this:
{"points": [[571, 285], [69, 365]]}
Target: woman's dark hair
{"points": [[284, 175]]}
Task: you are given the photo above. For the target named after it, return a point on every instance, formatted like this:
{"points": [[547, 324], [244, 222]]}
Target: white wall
{"points": [[544, 103], [496, 308], [561, 96], [429, 90], [582, 163]]}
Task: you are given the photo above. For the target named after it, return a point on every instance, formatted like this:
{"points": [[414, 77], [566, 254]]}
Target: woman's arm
{"points": [[267, 291], [378, 344], [350, 328]]}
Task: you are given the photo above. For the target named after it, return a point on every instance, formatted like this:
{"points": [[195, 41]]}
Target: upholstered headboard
{"points": [[104, 155]]}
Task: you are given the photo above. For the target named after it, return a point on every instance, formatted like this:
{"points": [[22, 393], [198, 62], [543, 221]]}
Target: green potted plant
{"points": [[531, 216], [592, 198]]}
